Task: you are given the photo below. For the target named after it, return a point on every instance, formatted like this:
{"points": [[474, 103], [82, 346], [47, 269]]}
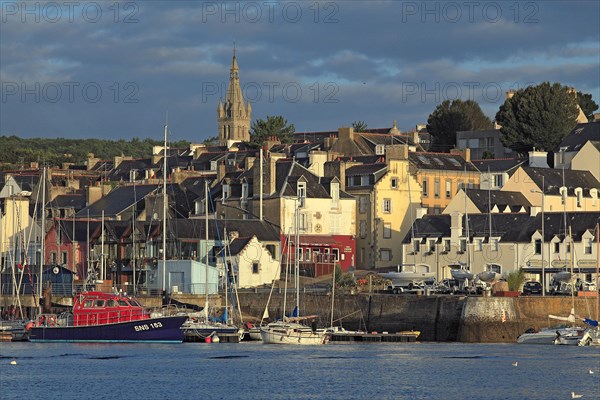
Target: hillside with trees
{"points": [[17, 151]]}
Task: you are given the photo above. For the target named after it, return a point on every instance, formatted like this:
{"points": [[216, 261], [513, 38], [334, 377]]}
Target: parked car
{"points": [[532, 287]]}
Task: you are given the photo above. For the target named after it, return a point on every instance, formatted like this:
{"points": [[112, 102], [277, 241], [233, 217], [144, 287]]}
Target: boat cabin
{"points": [[94, 308]]}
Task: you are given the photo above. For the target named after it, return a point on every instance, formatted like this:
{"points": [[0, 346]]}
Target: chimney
{"points": [[464, 153], [456, 228], [337, 169], [94, 193], [396, 152], [220, 171], [538, 159], [346, 133], [198, 151]]}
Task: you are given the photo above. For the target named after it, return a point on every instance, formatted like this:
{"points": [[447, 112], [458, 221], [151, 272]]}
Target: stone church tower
{"points": [[234, 117]]}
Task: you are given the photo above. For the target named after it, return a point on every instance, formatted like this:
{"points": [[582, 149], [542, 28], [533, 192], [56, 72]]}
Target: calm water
{"points": [[334, 371]]}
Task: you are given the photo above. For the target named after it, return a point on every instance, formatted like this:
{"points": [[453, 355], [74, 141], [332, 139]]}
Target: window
{"points": [[568, 247], [302, 222], [387, 230], [495, 244], [460, 185], [301, 191], [448, 189], [556, 247], [588, 246], [490, 142], [244, 190], [463, 245], [563, 195], [432, 246], [495, 268], [307, 254], [437, 210], [447, 245], [394, 183], [498, 180], [336, 254], [363, 229], [387, 205], [471, 184], [255, 268], [474, 143], [53, 257], [462, 143], [364, 180], [538, 246], [225, 193], [579, 198], [385, 254], [362, 204], [271, 249], [416, 245], [64, 259], [436, 188], [479, 244], [335, 194], [425, 187]]}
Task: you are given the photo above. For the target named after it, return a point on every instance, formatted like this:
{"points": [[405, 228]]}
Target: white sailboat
{"points": [[290, 330]]}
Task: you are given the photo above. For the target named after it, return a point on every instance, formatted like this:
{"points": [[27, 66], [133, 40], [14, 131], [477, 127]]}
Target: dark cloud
{"points": [[334, 63]]}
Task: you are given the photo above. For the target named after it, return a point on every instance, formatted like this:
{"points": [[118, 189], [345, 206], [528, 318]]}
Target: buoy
{"points": [[13, 362], [216, 339], [208, 339], [29, 325]]}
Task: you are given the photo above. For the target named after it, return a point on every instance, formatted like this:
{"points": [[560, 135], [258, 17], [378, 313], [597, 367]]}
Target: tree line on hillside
{"points": [[19, 151]]}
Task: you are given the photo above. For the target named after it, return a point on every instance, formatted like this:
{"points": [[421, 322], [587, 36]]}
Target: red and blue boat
{"points": [[107, 317]]}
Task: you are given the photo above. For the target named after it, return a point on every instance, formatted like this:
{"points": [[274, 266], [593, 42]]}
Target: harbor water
{"points": [[335, 371]]}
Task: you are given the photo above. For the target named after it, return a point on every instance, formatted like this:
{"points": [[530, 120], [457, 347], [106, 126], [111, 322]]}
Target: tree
{"points": [[453, 116], [587, 104], [537, 116], [359, 126], [275, 126], [211, 141]]}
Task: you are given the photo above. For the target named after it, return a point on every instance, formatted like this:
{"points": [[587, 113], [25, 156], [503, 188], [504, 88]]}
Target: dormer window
{"points": [[335, 194], [301, 191], [225, 192]]}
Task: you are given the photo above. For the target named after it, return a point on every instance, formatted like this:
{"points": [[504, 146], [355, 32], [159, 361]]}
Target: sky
{"points": [[114, 70]]}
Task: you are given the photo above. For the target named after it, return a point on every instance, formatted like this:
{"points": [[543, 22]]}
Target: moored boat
{"points": [[107, 317], [290, 331]]}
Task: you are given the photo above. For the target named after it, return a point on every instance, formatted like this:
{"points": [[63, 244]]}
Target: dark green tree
{"points": [[211, 141], [276, 126], [537, 116], [359, 126], [587, 104], [453, 116]]}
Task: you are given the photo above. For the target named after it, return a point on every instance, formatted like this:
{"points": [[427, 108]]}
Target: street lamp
{"points": [[543, 238]]}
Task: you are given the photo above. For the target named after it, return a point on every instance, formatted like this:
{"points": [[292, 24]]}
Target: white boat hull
{"points": [[546, 336], [291, 333]]}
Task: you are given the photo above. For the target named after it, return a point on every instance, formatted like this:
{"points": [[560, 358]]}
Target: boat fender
{"points": [[29, 325]]}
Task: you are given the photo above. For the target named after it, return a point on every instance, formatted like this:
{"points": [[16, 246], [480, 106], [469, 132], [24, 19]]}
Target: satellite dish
{"points": [[55, 270]]}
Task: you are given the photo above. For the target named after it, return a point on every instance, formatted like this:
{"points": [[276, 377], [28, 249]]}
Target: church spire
{"points": [[234, 116]]}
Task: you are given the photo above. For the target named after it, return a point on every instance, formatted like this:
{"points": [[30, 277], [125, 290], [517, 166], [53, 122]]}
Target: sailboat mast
{"points": [[206, 249], [43, 237], [572, 276], [597, 268], [296, 255], [164, 222]]}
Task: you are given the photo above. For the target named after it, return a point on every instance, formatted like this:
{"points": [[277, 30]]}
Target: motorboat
{"points": [[549, 335], [107, 317]]}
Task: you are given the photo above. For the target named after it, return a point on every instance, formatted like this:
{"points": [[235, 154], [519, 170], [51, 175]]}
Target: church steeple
{"points": [[234, 116]]}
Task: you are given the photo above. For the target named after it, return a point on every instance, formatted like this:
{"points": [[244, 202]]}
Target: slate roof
{"points": [[553, 180], [497, 198], [579, 136], [371, 159], [440, 161], [194, 229], [238, 244], [365, 169], [77, 201], [430, 226], [520, 227], [122, 171], [117, 201], [499, 164], [81, 229]]}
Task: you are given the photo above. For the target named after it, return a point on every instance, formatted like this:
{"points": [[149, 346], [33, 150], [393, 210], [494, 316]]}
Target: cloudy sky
{"points": [[113, 70]]}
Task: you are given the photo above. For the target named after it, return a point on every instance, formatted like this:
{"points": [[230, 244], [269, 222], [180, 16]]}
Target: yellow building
{"points": [[441, 175], [18, 232], [388, 197]]}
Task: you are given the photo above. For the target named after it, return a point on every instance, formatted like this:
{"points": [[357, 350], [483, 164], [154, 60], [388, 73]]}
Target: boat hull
{"points": [[292, 334], [548, 336], [155, 330]]}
